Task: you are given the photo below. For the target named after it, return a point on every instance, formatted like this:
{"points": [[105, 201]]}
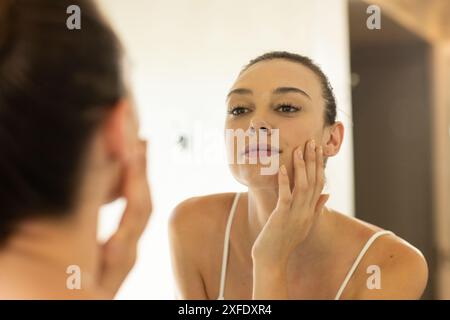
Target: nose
{"points": [[257, 125]]}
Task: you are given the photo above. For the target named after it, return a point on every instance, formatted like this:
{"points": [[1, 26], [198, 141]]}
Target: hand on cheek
{"points": [[297, 208]]}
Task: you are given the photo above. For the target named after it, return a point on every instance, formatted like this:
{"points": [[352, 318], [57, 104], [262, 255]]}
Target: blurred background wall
{"points": [[185, 55]]}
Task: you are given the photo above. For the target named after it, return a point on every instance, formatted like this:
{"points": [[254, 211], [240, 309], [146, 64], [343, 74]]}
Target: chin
{"points": [[250, 176]]}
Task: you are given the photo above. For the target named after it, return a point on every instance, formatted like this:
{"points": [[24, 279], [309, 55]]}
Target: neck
{"points": [[262, 202], [40, 251], [50, 246]]}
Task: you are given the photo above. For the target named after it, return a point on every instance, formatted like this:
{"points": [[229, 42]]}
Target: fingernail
{"points": [[320, 150], [300, 154], [283, 170], [312, 144]]}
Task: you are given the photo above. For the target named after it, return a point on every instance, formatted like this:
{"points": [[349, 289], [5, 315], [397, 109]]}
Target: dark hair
{"points": [[327, 90], [56, 85]]}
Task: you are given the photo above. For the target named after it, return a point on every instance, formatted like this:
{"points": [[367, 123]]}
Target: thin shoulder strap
{"points": [[226, 244], [358, 260]]}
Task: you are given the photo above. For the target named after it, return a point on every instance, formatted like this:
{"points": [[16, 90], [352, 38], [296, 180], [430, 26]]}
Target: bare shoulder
{"points": [[401, 267], [199, 217], [195, 233], [201, 209]]}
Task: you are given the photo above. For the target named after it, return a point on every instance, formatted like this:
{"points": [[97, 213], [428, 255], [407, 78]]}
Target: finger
{"points": [[323, 198], [284, 190], [320, 176], [310, 159], [137, 194], [119, 252], [300, 178]]}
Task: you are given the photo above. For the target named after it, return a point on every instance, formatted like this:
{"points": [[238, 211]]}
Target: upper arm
{"points": [[183, 235], [402, 271]]}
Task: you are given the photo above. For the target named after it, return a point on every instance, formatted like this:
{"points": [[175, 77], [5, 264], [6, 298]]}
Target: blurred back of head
{"points": [[56, 85]]}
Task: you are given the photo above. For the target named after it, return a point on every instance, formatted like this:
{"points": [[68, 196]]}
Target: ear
{"points": [[115, 131], [334, 136]]}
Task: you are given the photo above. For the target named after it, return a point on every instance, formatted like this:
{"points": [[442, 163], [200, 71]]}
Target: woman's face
{"points": [[274, 94]]}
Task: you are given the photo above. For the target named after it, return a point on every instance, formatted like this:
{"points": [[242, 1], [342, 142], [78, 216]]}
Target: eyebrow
{"points": [[279, 90], [239, 91], [282, 90]]}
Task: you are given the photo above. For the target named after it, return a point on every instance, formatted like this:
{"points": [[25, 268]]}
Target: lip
{"points": [[263, 149]]}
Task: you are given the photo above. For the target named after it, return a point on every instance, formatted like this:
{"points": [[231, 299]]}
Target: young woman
{"points": [[278, 240], [69, 143]]}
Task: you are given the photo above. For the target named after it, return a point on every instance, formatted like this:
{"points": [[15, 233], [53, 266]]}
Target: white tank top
{"points": [[226, 243]]}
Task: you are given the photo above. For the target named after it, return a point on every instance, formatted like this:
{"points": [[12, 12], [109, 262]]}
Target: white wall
{"points": [[185, 56]]}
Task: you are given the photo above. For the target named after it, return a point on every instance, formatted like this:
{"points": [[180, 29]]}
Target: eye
{"points": [[236, 111], [287, 108]]}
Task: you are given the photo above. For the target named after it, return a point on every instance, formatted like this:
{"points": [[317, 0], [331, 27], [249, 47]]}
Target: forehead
{"points": [[265, 76]]}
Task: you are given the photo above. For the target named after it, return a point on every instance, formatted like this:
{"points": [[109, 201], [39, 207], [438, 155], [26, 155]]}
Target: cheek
{"points": [[294, 136], [296, 132], [236, 124]]}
